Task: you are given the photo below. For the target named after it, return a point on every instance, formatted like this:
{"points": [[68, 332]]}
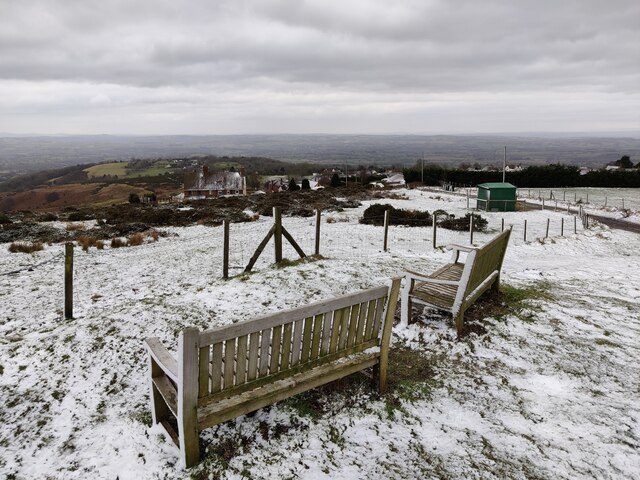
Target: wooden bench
{"points": [[455, 286], [229, 371]]}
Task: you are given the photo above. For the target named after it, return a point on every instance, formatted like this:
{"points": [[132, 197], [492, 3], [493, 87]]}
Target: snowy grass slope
{"points": [[549, 392]]}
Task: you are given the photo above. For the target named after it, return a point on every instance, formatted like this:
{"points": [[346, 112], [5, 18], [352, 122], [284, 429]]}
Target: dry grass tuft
{"points": [[72, 227], [86, 242], [135, 239], [153, 234], [25, 247], [118, 242]]}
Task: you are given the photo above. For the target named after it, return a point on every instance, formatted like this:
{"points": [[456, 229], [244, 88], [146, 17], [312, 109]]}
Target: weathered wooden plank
{"points": [[353, 325], [344, 329], [379, 311], [215, 335], [241, 360], [362, 322], [385, 337], [371, 312], [285, 358], [162, 357], [298, 369], [326, 333], [265, 344], [229, 361], [306, 339], [335, 330], [252, 371], [296, 342], [203, 374], [188, 345], [276, 339], [216, 368], [317, 336]]}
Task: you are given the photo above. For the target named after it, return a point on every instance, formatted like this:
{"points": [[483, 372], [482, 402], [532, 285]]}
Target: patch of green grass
{"points": [[292, 263], [69, 338]]}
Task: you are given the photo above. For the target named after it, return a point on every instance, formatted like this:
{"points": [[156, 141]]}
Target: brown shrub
{"points": [[135, 239], [99, 244], [154, 235], [86, 242], [25, 247], [72, 227], [118, 242]]}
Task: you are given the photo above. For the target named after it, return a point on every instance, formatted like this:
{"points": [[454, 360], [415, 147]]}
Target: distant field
{"points": [[120, 169]]}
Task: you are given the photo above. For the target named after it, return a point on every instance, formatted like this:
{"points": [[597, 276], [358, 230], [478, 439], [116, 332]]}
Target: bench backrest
{"points": [[482, 262], [243, 356]]}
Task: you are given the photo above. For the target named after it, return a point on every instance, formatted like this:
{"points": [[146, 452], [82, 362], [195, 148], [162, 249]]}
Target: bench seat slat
{"points": [[229, 408]]}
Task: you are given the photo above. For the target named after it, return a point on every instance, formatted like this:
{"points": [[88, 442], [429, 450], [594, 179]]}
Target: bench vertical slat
{"points": [[371, 311], [353, 324], [276, 339], [376, 323], [362, 321], [286, 346], [229, 357], [296, 342], [306, 339], [335, 330], [252, 371], [317, 337], [344, 329], [326, 333], [241, 360], [265, 343], [203, 374], [216, 367]]}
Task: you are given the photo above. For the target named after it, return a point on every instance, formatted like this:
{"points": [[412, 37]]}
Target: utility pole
{"points": [[504, 164]]}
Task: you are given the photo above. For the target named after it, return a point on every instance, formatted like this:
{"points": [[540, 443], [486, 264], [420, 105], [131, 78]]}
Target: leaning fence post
{"points": [[546, 235], [68, 280], [277, 237], [225, 247], [471, 229], [318, 215], [525, 230], [386, 228]]}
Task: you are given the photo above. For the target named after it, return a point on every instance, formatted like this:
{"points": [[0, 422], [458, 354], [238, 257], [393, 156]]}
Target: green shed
{"points": [[496, 197]]}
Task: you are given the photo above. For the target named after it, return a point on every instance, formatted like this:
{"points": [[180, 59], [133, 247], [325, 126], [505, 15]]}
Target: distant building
{"points": [[202, 184], [394, 180]]}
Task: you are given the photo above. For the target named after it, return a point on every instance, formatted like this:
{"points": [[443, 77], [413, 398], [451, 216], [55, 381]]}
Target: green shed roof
{"points": [[495, 185]]}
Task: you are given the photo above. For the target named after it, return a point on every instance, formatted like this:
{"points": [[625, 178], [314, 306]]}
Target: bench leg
{"points": [[495, 286], [459, 321]]}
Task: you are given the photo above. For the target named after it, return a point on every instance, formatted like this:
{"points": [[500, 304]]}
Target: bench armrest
{"points": [[162, 357], [424, 278], [456, 251]]}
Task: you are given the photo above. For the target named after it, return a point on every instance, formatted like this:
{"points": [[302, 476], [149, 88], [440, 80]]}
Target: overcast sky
{"points": [[321, 66]]}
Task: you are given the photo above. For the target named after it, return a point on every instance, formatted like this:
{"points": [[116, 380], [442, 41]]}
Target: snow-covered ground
{"points": [[551, 391]]}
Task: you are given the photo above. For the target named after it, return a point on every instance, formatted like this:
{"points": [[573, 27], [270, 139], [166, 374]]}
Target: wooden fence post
{"points": [[386, 229], [562, 227], [525, 230], [471, 229], [502, 226], [435, 226], [546, 235], [605, 201], [467, 199], [277, 234], [542, 204], [318, 216], [623, 203], [225, 254], [564, 195], [68, 280]]}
